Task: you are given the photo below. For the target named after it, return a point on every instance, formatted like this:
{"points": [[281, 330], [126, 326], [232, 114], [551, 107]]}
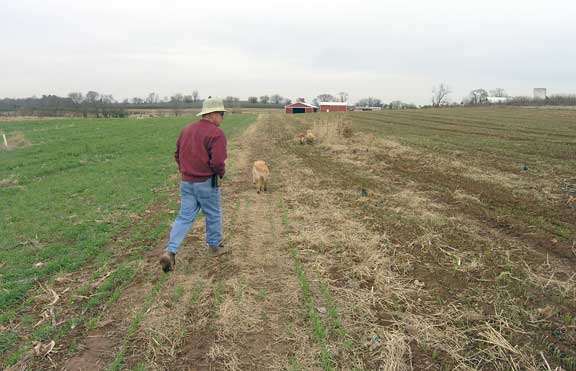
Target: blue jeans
{"points": [[193, 198]]}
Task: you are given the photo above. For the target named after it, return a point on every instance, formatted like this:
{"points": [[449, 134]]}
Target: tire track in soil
{"points": [[249, 329]]}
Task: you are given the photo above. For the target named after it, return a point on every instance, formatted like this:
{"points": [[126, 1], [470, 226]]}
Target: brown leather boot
{"points": [[168, 261]]}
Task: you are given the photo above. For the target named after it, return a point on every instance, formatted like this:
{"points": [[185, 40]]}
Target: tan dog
{"points": [[260, 174], [310, 137]]}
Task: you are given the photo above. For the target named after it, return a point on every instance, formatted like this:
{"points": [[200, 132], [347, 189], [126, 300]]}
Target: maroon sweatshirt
{"points": [[201, 151]]}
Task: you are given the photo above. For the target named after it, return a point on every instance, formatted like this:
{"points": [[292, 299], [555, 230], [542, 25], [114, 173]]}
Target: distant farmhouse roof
{"points": [[300, 107], [358, 108], [300, 103], [498, 99], [333, 103]]}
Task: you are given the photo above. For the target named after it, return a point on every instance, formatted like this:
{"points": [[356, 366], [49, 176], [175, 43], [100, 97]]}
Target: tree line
{"points": [[368, 102], [92, 104], [95, 104], [482, 96]]}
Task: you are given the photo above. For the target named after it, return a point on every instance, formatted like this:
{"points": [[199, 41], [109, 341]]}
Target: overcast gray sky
{"points": [[388, 50]]}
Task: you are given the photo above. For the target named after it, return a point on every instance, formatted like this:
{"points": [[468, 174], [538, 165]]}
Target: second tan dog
{"points": [[260, 175], [307, 138]]}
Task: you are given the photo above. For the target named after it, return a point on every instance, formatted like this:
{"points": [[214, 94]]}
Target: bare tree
{"points": [[325, 98], [369, 102], [561, 100], [252, 99], [92, 96], [107, 98], [276, 99], [478, 96], [301, 100], [105, 106], [177, 101], [498, 92], [343, 96], [177, 98], [398, 104], [440, 94], [152, 98], [232, 101], [76, 97], [264, 99], [195, 95]]}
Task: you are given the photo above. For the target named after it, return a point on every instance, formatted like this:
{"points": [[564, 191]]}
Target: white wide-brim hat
{"points": [[212, 105]]}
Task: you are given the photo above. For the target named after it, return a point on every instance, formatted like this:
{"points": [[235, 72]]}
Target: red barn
{"points": [[300, 107], [333, 106]]}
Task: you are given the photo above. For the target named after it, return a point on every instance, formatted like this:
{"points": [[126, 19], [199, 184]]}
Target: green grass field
{"points": [[79, 183]]}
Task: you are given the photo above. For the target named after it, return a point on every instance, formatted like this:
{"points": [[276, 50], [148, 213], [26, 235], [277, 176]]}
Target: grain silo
{"points": [[539, 93]]}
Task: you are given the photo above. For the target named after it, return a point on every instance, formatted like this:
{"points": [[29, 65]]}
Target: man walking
{"points": [[201, 155]]}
